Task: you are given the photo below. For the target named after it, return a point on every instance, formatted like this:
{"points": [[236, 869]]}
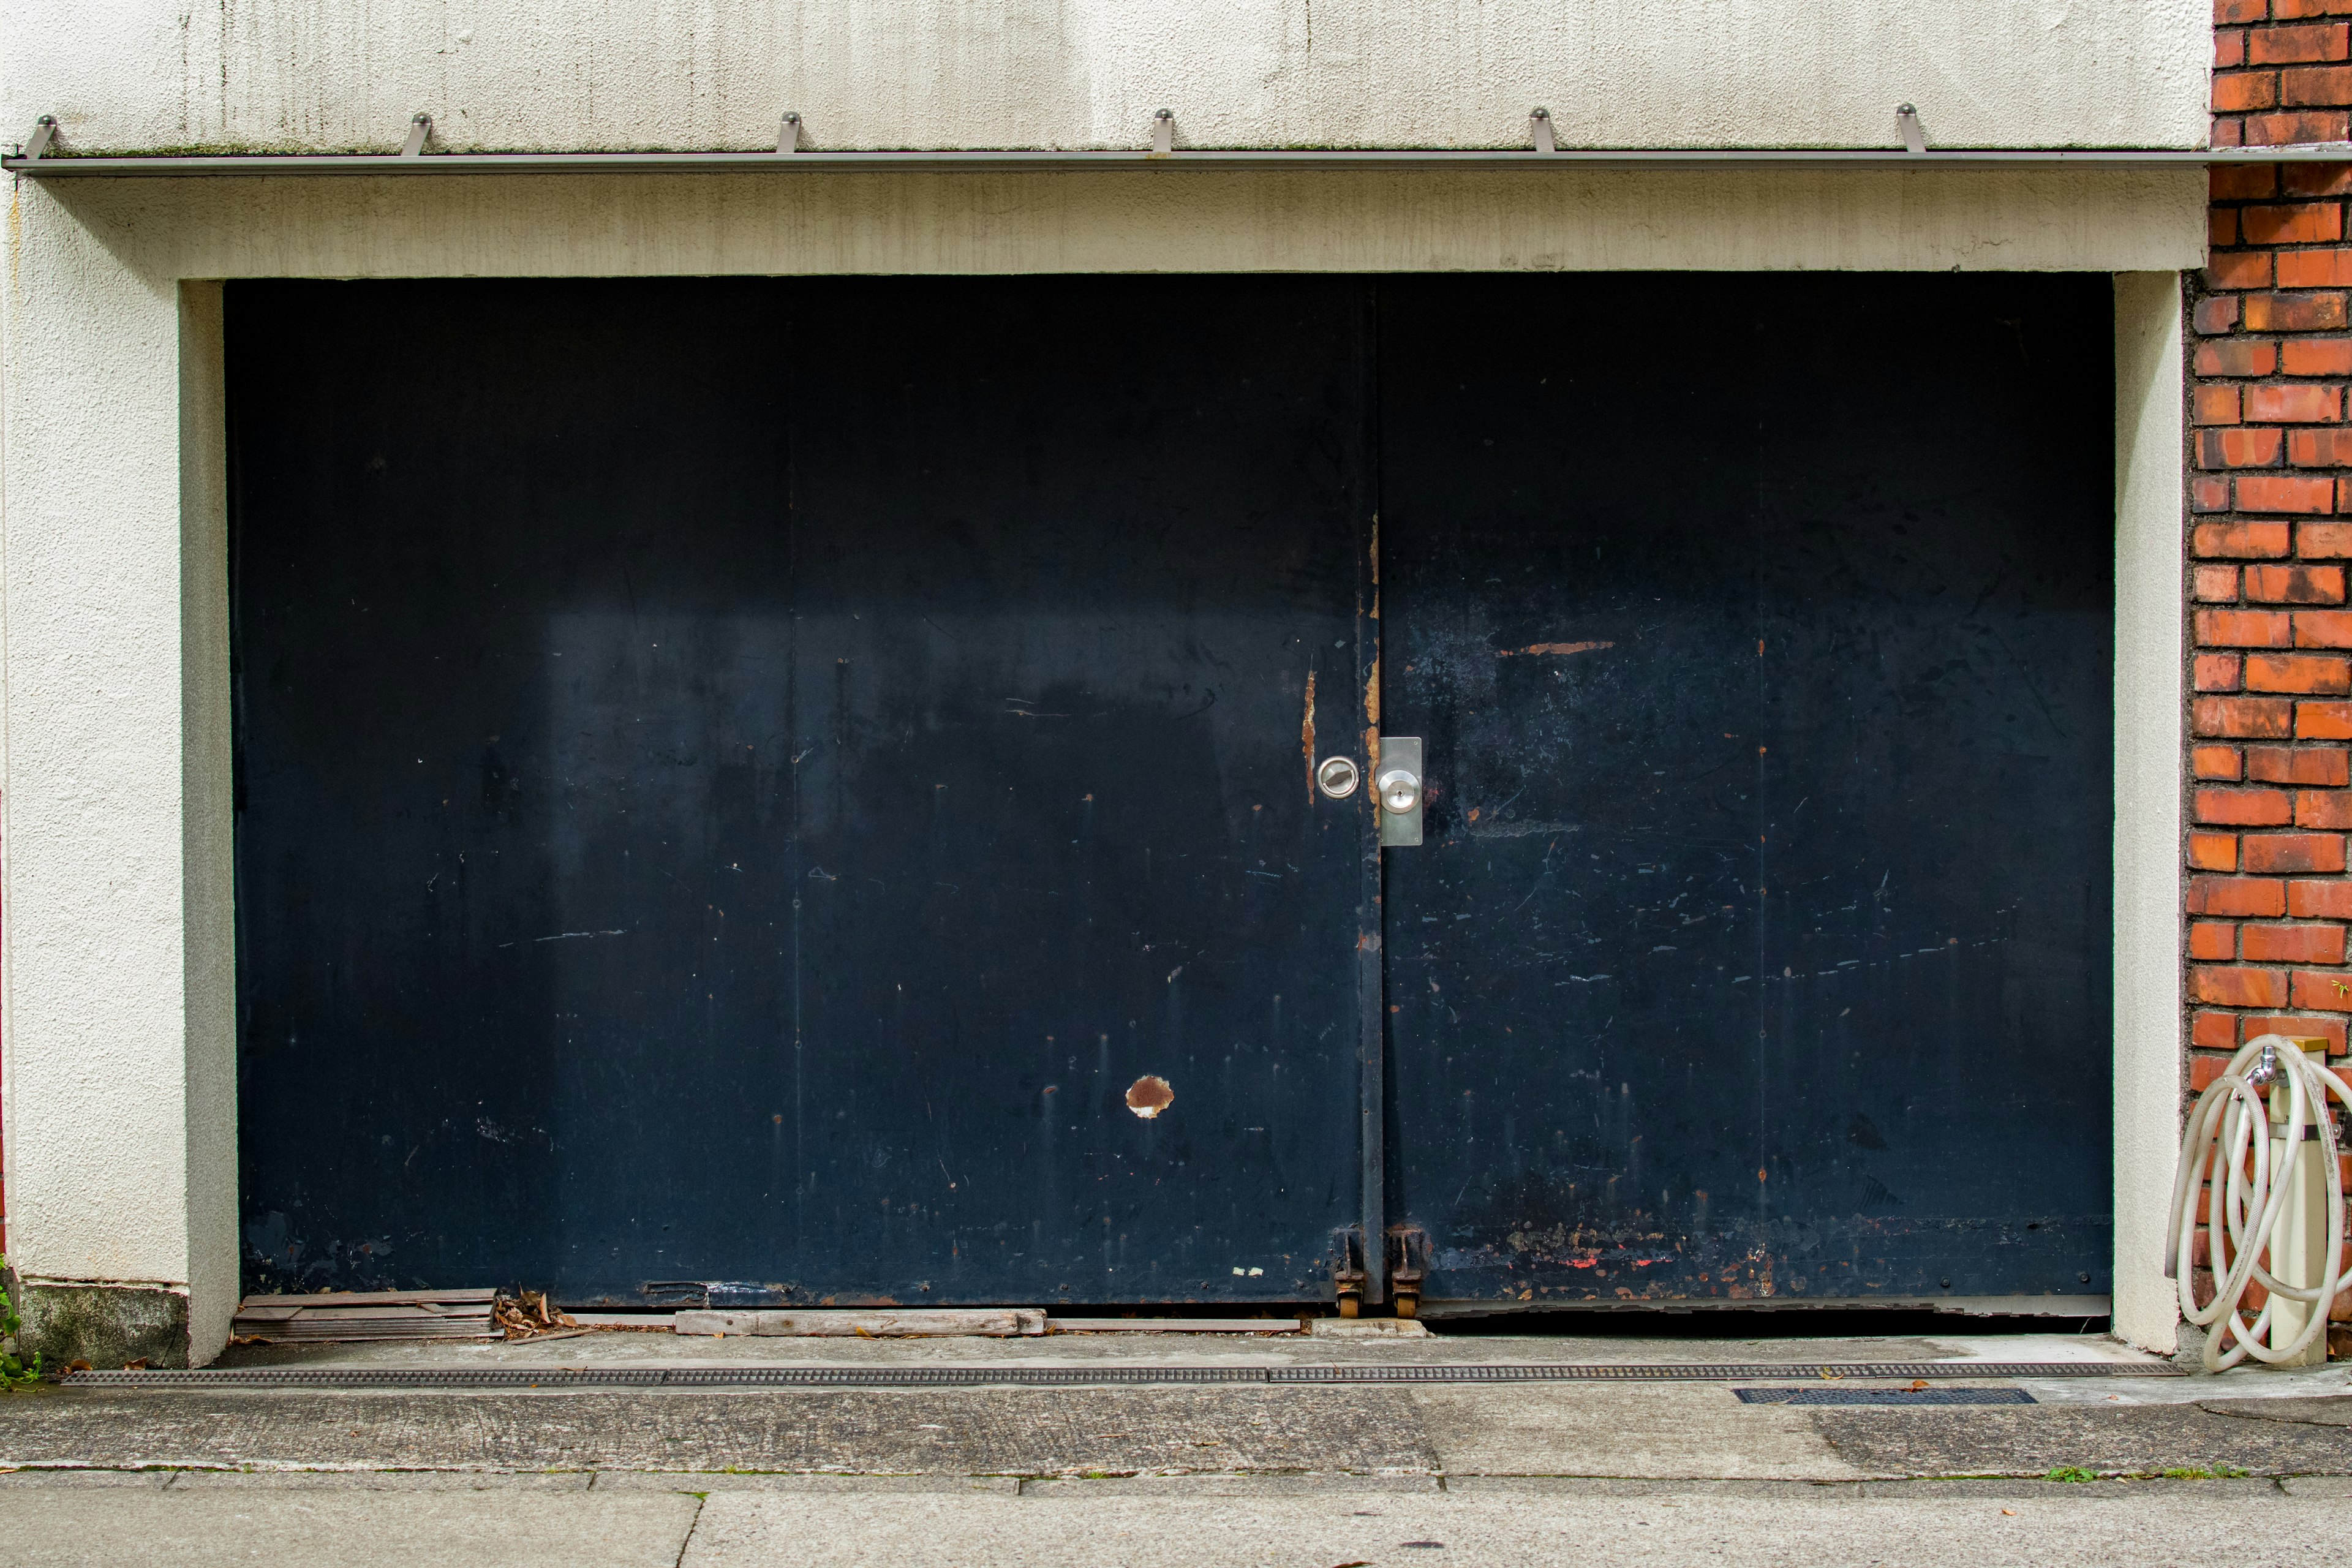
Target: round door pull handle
{"points": [[1336, 777], [1399, 792]]}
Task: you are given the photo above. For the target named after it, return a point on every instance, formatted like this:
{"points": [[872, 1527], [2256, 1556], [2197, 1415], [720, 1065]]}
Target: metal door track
{"points": [[695, 1377]]}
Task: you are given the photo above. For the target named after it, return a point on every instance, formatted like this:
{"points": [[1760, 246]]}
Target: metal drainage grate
{"points": [[1884, 1396], [686, 1377], [1706, 1372]]}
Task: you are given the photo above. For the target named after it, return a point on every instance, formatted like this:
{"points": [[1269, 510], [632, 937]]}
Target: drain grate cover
{"points": [[690, 1377], [1884, 1396], [1706, 1372]]}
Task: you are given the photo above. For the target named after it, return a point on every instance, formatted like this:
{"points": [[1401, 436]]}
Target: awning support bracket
{"points": [[1907, 119]]}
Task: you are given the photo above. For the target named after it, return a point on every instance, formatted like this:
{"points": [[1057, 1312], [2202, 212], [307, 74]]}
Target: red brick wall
{"points": [[2280, 72], [2270, 777]]}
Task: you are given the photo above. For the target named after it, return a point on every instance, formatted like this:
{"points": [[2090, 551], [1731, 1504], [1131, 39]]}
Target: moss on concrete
{"points": [[105, 1325]]}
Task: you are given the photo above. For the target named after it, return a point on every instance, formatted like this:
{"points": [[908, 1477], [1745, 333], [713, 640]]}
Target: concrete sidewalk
{"points": [[1303, 1474], [656, 1521]]}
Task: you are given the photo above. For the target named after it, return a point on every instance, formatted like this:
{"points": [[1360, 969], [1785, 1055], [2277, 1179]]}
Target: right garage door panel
{"points": [[1760, 631]]}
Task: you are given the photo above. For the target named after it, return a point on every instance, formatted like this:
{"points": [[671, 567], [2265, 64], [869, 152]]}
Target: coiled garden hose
{"points": [[2253, 1162]]}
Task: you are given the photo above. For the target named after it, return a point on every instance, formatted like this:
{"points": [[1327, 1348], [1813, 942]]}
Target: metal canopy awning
{"points": [[38, 158], [55, 166]]}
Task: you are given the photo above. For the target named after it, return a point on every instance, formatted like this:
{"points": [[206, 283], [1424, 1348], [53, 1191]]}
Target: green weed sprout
{"points": [[14, 1372]]}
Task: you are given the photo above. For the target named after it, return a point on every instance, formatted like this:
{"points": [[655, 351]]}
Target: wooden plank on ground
{"points": [[1171, 1325], [874, 1323], [485, 1295], [351, 1315]]}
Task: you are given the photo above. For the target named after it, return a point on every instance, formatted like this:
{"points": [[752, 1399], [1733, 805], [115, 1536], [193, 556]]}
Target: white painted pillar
{"points": [[2150, 600], [117, 972]]}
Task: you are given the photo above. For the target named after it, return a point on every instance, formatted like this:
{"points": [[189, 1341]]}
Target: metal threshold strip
{"points": [[697, 1377], [54, 165]]}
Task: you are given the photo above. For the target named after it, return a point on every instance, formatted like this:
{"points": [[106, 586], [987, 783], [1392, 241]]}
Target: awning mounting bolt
{"points": [[418, 130], [1539, 125], [788, 136], [1163, 133], [44, 133]]}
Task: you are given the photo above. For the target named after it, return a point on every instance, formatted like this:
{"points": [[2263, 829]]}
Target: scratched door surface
{"points": [[1760, 632], [799, 784]]}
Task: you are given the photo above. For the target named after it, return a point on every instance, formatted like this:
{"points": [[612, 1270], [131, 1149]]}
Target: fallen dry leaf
{"points": [[139, 1365], [529, 1316], [1917, 1386]]}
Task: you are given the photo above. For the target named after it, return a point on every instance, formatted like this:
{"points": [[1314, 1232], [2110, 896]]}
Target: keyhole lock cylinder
{"points": [[1397, 780]]}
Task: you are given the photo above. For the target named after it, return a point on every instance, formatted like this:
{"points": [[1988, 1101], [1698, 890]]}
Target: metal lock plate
{"points": [[1336, 777], [1397, 784]]}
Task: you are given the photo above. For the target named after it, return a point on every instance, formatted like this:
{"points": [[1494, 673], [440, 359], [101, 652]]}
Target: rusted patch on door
{"points": [[1551, 647], [1150, 1095], [1306, 737]]}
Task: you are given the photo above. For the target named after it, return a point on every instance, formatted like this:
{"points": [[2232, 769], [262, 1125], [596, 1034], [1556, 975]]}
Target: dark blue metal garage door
{"points": [[801, 785], [1760, 631], [808, 786]]}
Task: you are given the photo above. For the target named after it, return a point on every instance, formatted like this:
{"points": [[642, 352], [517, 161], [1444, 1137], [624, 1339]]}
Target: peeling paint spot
{"points": [[1149, 1096], [1551, 647]]}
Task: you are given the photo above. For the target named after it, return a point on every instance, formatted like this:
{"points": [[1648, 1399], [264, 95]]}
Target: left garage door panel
{"points": [[738, 780]]}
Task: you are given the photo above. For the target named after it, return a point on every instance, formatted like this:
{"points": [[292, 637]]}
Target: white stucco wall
{"points": [[126, 75], [115, 871]]}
